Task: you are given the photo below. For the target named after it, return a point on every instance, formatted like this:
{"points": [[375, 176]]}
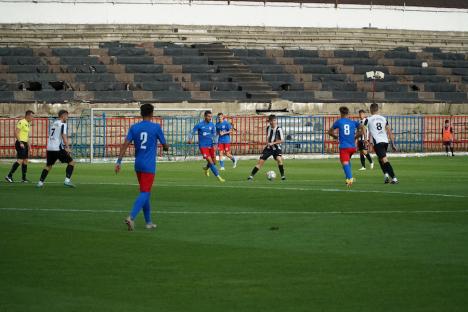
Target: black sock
{"points": [[383, 167], [389, 169], [13, 169], [24, 169], [254, 171], [369, 158], [451, 150], [446, 149], [69, 171], [363, 161], [44, 175], [281, 169]]}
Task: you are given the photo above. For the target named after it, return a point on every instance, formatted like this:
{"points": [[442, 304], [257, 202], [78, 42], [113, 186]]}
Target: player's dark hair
{"points": [[361, 111], [208, 112], [374, 107], [344, 110], [62, 112], [219, 114], [447, 121], [271, 117], [28, 113], [146, 110]]}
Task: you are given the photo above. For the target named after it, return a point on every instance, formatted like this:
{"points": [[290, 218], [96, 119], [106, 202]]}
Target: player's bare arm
{"points": [[391, 137], [332, 133], [123, 149], [65, 143]]}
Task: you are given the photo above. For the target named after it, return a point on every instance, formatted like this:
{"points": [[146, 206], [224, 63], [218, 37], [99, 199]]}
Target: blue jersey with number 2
{"points": [[347, 131], [145, 136]]}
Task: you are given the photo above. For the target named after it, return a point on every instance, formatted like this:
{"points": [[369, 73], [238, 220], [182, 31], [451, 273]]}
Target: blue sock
{"points": [[147, 211], [233, 159], [139, 203], [221, 163], [214, 169], [347, 170]]}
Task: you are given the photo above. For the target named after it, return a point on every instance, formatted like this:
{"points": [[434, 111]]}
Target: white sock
{"points": [[67, 180]]}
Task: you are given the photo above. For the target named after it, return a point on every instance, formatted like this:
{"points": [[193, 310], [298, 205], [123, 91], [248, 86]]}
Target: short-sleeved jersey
{"points": [[224, 126], [23, 126], [346, 132], [206, 133], [55, 142], [145, 136], [377, 128], [275, 134]]}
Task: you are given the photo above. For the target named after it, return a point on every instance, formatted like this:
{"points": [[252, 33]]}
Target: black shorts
{"points": [[267, 152], [381, 150], [362, 145], [447, 143], [22, 153], [61, 155]]}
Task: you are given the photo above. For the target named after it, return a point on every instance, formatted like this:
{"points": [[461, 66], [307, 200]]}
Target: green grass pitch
{"points": [[306, 244]]}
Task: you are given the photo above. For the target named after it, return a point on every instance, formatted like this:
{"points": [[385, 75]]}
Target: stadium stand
{"points": [[155, 63]]}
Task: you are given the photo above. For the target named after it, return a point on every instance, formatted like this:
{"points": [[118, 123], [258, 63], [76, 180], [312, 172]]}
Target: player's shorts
{"points": [[62, 155], [267, 152], [145, 179], [208, 152], [224, 147], [346, 153], [362, 145], [22, 153], [447, 143], [381, 150]]}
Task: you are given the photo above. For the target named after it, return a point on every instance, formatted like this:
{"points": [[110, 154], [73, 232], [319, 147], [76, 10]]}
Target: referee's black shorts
{"points": [[381, 150], [22, 152], [62, 155], [268, 151]]}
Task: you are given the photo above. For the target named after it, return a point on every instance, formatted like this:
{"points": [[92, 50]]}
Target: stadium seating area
{"points": [[122, 63]]}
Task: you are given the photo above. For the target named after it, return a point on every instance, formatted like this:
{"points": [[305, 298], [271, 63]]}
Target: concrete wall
{"points": [[239, 14], [15, 110]]}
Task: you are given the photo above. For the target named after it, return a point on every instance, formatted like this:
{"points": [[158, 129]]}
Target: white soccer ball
{"points": [[271, 175]]}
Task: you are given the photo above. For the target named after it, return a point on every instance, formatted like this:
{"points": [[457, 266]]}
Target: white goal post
{"points": [[195, 113]]}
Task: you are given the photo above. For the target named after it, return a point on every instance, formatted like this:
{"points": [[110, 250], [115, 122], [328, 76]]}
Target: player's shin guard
{"points": [[44, 174], [69, 171], [389, 169], [139, 203], [347, 171], [281, 169], [363, 161], [16, 165], [382, 166], [254, 171], [369, 158], [214, 169], [221, 161], [147, 211], [24, 170]]}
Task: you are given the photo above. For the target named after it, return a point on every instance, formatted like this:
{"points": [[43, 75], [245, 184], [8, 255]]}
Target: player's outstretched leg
{"points": [[137, 206], [221, 160], [9, 177], [68, 174], [24, 170], [363, 161], [348, 173], [255, 169], [44, 174], [371, 162], [212, 166], [279, 160]]}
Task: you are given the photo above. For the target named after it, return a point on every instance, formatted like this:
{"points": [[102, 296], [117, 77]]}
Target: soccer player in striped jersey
{"points": [[58, 148], [224, 129], [363, 143], [348, 131], [206, 131], [381, 134], [145, 136], [275, 137], [22, 131]]}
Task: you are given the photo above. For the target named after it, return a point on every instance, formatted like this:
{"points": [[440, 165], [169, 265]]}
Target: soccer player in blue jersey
{"points": [[348, 131], [206, 131], [145, 136], [224, 129]]}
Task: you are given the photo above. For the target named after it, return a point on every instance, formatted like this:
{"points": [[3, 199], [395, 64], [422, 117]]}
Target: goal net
{"points": [[108, 128]]}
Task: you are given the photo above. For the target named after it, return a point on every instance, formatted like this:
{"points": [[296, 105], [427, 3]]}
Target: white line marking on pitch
{"points": [[241, 212]]}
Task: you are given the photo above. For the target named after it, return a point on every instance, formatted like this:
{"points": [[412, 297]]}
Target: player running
{"points": [[58, 148], [224, 129], [363, 143], [206, 131], [145, 136], [447, 137], [275, 137], [22, 147], [381, 133], [348, 131]]}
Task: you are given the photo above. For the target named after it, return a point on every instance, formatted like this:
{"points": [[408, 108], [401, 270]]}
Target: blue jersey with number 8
{"points": [[145, 136], [347, 132]]}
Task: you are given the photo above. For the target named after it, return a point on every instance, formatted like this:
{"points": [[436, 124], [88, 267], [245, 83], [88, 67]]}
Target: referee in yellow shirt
{"points": [[22, 147]]}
